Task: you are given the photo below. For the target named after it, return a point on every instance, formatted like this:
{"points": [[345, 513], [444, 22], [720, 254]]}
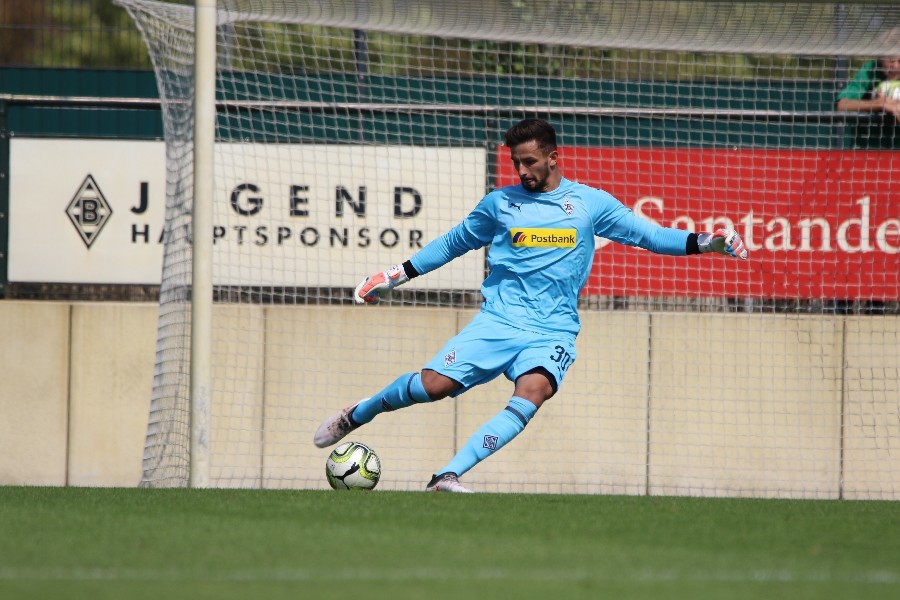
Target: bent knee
{"points": [[535, 386], [438, 386]]}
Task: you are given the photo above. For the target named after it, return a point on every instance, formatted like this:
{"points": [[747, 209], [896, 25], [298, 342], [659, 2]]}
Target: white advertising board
{"points": [[51, 179], [92, 211]]}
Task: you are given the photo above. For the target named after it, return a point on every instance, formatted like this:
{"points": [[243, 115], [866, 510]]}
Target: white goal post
{"points": [[330, 140], [202, 220]]}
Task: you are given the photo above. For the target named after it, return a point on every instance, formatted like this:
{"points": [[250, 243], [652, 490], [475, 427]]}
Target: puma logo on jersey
{"points": [[534, 237]]}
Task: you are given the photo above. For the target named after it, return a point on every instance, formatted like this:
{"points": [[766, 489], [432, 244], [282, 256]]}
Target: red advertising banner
{"points": [[819, 224]]}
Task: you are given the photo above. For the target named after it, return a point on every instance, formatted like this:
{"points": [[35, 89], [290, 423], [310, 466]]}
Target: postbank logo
{"points": [[534, 237]]}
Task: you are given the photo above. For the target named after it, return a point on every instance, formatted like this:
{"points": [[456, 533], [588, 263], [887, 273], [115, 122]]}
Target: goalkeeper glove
{"points": [[723, 241], [371, 289]]}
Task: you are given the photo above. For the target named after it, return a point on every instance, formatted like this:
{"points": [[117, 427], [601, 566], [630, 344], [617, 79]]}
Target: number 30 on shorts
{"points": [[562, 357]]}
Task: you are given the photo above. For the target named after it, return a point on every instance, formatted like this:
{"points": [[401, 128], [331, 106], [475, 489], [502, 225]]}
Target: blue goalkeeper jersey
{"points": [[542, 248]]}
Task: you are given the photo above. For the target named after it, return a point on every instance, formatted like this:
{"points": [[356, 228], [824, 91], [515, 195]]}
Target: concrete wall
{"points": [[34, 395], [656, 403], [110, 381], [75, 392]]}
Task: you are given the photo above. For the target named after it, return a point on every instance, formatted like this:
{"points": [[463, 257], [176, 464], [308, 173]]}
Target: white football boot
{"points": [[447, 482], [335, 428]]}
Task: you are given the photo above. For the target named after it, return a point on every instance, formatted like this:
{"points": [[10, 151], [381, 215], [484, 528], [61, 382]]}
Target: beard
{"points": [[532, 184]]}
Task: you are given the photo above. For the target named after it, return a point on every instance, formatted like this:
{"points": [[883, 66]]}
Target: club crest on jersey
{"points": [[568, 206], [539, 237]]}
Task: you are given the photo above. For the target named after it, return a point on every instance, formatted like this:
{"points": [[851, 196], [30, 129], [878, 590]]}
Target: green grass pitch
{"points": [[133, 543]]}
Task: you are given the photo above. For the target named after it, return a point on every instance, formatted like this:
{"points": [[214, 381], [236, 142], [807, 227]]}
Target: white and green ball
{"points": [[353, 466]]}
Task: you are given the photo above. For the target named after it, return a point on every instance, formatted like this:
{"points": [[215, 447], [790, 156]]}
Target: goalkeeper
{"points": [[541, 235]]}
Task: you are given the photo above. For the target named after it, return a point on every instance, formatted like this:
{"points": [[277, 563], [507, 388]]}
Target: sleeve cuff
{"points": [[410, 269], [691, 246]]}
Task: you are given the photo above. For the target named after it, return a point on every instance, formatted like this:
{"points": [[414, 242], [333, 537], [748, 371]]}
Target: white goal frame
{"points": [[206, 107], [204, 189]]}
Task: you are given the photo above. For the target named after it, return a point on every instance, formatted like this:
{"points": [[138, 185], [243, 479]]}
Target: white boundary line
{"points": [[878, 577]]}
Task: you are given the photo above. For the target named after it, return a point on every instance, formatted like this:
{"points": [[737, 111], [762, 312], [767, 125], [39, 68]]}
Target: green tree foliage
{"points": [[97, 33], [69, 33], [20, 21]]}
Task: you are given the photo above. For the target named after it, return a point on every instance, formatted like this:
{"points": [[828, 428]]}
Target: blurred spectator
{"points": [[876, 89]]}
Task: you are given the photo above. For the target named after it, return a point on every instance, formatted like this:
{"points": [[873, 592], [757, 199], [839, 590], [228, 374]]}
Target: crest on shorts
{"points": [[450, 358]]}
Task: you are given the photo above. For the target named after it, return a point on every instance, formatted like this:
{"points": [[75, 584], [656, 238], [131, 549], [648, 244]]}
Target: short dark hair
{"points": [[531, 129]]}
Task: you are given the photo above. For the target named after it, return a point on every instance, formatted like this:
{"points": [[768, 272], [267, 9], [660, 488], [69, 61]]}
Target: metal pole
{"points": [[204, 185]]}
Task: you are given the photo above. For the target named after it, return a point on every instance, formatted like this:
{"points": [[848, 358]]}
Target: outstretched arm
{"points": [[878, 103], [623, 226], [475, 231]]}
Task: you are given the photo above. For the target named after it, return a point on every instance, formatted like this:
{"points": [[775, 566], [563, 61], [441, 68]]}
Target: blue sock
{"points": [[492, 436], [404, 391]]}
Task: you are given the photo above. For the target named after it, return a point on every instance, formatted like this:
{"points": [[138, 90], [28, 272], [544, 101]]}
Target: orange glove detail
{"points": [[371, 289], [723, 241]]}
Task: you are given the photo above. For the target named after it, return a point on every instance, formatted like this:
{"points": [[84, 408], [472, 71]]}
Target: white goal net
{"points": [[349, 134]]}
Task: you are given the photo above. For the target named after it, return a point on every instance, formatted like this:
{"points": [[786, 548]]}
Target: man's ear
{"points": [[553, 157]]}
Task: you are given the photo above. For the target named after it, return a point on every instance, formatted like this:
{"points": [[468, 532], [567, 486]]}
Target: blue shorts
{"points": [[487, 347]]}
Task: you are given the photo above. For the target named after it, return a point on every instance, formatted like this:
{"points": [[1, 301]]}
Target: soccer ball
{"points": [[353, 466], [890, 89]]}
